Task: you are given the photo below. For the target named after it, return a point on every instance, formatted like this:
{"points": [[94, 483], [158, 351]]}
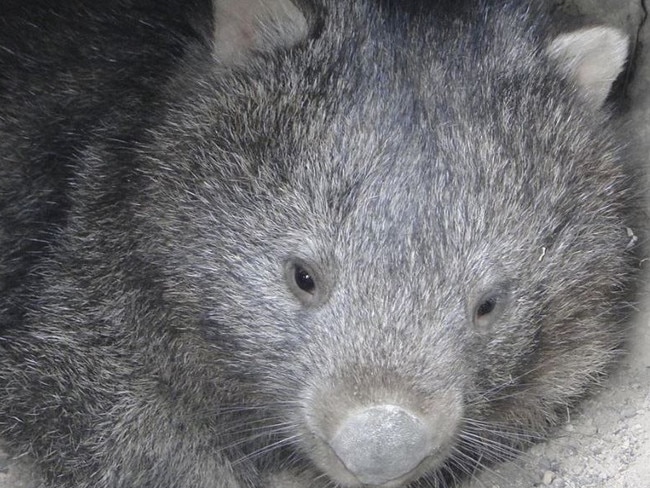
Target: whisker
{"points": [[266, 449]]}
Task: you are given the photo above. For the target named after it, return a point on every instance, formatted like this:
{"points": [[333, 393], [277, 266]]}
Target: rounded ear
{"points": [[592, 57], [243, 27]]}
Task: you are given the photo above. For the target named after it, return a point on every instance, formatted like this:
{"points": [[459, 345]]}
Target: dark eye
{"points": [[305, 282], [490, 306], [304, 279], [486, 307]]}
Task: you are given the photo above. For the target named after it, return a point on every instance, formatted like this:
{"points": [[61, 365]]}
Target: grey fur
{"points": [[445, 175]]}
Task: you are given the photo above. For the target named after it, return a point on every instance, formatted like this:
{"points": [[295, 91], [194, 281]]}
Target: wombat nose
{"points": [[381, 443]]}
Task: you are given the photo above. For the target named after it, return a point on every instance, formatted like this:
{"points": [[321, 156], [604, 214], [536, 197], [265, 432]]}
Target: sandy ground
{"points": [[606, 443]]}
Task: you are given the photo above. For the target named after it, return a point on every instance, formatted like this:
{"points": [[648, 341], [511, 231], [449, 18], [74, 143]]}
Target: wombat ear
{"points": [[243, 27], [593, 57]]}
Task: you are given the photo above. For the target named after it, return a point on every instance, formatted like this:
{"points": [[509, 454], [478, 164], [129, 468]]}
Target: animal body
{"points": [[263, 243]]}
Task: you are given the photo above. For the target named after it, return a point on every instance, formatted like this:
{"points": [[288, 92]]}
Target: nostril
{"points": [[381, 443]]}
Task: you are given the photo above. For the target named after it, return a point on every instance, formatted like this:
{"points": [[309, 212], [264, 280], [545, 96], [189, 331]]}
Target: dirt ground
{"points": [[606, 443]]}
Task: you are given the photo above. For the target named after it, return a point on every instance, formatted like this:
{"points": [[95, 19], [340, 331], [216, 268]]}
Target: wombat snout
{"points": [[383, 435], [382, 443]]}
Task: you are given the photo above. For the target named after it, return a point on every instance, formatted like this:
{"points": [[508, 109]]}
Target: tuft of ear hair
{"points": [[243, 27], [593, 57]]}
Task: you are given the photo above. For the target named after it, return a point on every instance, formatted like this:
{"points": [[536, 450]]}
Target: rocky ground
{"points": [[606, 443]]}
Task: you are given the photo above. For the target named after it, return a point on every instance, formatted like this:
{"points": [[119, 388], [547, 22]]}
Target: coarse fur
{"points": [[216, 252]]}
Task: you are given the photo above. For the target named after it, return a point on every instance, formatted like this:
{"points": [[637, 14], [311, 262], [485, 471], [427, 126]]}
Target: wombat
{"points": [[323, 243]]}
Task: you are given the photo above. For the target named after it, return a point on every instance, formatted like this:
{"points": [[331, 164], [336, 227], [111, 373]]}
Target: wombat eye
{"points": [[304, 283], [484, 310], [304, 279], [486, 307], [489, 307]]}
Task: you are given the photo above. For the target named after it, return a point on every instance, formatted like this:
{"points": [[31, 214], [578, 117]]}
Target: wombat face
{"points": [[407, 239]]}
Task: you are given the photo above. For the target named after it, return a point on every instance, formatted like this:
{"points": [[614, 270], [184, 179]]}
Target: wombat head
{"points": [[400, 239]]}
